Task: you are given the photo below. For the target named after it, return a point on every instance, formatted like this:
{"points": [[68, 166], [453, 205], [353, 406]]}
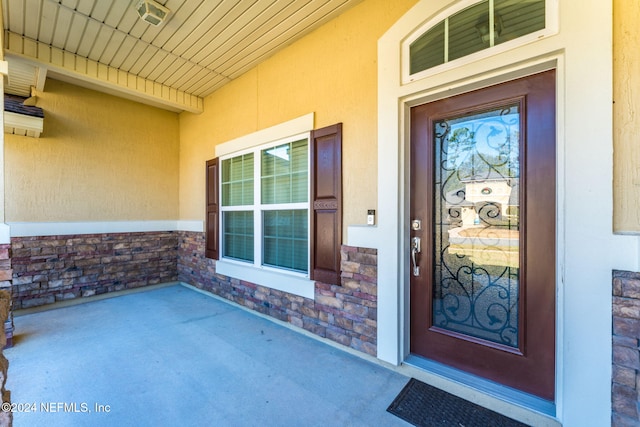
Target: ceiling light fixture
{"points": [[152, 12], [483, 25]]}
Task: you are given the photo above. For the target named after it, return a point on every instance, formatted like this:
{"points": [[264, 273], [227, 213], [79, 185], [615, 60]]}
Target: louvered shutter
{"points": [[326, 198], [213, 211]]}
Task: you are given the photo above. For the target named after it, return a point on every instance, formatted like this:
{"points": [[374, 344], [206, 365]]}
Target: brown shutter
{"points": [[213, 211], [326, 197]]}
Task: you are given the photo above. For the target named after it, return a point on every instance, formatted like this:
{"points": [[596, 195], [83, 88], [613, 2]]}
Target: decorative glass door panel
{"points": [[477, 225], [482, 233]]}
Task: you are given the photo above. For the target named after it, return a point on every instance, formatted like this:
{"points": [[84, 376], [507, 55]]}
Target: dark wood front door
{"points": [[483, 211]]}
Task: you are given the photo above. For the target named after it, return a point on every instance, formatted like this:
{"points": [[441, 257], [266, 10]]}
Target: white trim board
{"points": [[33, 229], [5, 234], [24, 122], [282, 130], [283, 282]]}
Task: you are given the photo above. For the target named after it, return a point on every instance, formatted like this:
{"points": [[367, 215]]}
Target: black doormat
{"points": [[425, 406]]}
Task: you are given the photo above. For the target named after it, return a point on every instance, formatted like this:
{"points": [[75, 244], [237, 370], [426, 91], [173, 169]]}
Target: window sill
{"points": [[300, 286]]}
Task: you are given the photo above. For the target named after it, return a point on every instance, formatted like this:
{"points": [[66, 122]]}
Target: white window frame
{"points": [[551, 28], [280, 279], [258, 208]]}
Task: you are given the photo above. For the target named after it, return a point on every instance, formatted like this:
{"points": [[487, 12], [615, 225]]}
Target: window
{"points": [[274, 210], [265, 205], [474, 26]]}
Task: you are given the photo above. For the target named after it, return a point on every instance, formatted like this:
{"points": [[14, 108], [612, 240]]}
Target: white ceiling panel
{"points": [[88, 38], [74, 35], [200, 47], [99, 10], [100, 43], [85, 7]]}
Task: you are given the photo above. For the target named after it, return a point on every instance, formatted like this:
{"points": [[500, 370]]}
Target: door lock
{"points": [[416, 248]]}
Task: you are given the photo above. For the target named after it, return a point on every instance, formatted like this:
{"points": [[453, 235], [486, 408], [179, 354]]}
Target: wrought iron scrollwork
{"points": [[476, 288]]}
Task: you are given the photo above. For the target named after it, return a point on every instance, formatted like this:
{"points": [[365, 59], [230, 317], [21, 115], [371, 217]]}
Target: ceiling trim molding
{"points": [[99, 76]]}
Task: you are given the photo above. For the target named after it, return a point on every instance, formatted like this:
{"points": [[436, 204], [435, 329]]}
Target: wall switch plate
{"points": [[371, 217]]}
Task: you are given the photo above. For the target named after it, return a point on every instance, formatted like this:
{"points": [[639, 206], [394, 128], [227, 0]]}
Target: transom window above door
{"points": [[462, 33]]}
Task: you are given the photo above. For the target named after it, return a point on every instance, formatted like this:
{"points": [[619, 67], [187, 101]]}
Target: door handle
{"points": [[416, 248]]}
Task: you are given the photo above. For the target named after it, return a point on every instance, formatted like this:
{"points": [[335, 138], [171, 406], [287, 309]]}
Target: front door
{"points": [[483, 217]]}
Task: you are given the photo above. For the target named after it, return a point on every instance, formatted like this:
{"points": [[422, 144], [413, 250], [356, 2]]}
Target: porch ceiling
{"points": [[104, 45]]}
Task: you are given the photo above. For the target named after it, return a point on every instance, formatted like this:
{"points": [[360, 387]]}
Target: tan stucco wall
{"points": [[626, 120], [332, 72], [100, 158]]}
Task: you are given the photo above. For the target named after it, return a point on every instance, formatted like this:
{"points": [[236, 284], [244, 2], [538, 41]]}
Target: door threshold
{"points": [[508, 401]]}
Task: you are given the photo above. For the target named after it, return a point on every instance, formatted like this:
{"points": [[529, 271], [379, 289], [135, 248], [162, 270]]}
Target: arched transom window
{"points": [[465, 29]]}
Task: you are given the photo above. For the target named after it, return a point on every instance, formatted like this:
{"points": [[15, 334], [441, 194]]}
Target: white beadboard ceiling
{"points": [[102, 44]]}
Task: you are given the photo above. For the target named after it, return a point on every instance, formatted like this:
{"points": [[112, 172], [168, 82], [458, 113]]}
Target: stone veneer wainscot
{"points": [[47, 269], [625, 381], [6, 276]]}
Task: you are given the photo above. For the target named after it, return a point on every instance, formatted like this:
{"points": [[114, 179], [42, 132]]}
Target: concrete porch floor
{"points": [[172, 356]]}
